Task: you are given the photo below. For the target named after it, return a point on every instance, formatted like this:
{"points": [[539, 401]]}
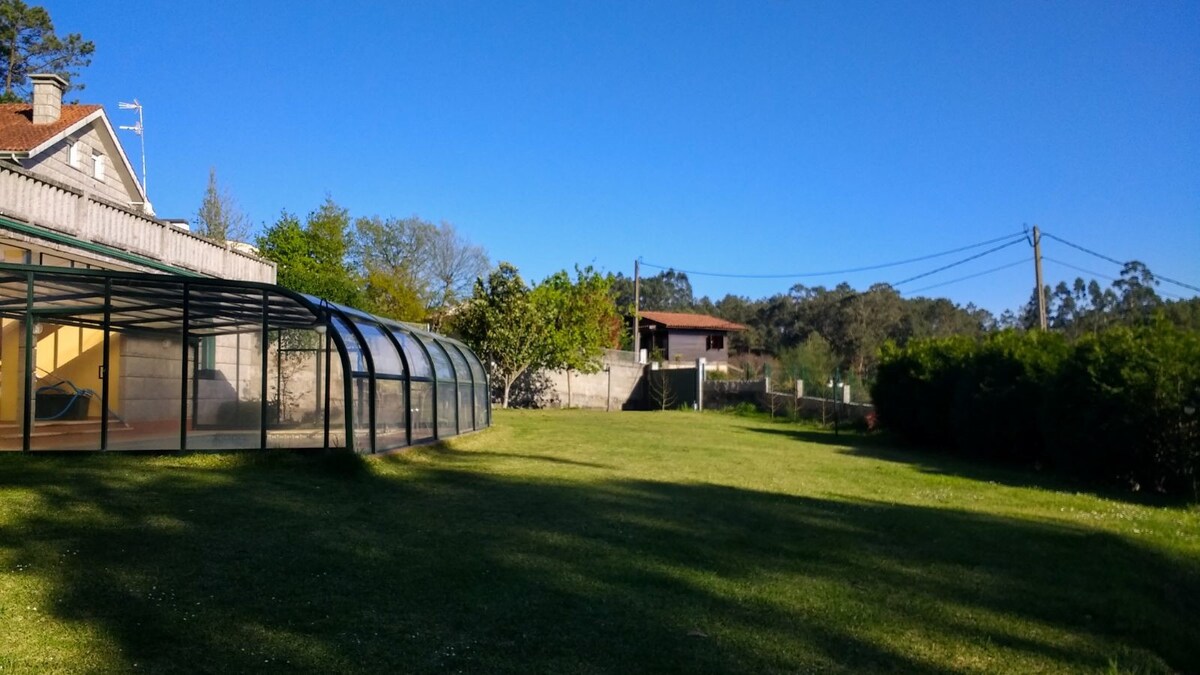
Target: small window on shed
{"points": [[98, 166], [73, 152], [715, 342]]}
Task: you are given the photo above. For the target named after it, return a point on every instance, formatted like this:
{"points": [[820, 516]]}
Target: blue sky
{"points": [[750, 136]]}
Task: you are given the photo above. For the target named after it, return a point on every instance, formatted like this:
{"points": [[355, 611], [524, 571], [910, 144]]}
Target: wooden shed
{"points": [[683, 338]]}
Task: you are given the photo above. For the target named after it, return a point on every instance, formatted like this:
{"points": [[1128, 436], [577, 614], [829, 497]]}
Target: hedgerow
{"points": [[1117, 405]]}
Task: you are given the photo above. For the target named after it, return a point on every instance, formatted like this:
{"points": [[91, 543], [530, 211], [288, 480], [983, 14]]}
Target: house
{"points": [[123, 331], [682, 338], [71, 144], [69, 197]]}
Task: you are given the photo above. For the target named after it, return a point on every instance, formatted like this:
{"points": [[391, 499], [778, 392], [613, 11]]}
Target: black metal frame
{"points": [[141, 304]]}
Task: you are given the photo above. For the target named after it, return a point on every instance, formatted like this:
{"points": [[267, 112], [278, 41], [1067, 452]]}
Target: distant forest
{"points": [[855, 324]]}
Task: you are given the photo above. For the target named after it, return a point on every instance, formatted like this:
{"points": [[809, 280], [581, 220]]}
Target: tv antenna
{"points": [[140, 131]]}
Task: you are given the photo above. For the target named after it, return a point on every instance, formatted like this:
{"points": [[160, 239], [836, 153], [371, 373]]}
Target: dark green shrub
{"points": [[1121, 404]]}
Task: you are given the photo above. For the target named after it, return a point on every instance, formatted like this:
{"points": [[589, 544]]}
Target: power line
{"points": [[969, 276], [1018, 236], [1080, 269], [968, 259], [1118, 262], [1102, 276]]}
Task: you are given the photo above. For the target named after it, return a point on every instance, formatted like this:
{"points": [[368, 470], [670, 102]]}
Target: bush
{"points": [[1118, 405]]}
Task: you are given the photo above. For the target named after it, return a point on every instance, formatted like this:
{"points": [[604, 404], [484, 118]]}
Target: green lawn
{"points": [[562, 542]]}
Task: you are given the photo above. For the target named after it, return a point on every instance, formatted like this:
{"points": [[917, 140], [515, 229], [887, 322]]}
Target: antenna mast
{"points": [[138, 129]]}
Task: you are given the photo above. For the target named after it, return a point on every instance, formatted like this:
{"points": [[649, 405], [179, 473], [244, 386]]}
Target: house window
{"points": [[98, 166], [73, 153], [207, 356], [715, 342]]}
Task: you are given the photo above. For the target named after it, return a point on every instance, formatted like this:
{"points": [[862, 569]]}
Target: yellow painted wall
{"points": [[10, 369], [63, 353], [76, 354]]}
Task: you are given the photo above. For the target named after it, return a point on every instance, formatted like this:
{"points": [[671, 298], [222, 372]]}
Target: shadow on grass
{"points": [[448, 452], [887, 448], [430, 568]]}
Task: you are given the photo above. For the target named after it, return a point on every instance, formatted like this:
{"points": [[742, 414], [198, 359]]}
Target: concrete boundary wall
{"points": [[617, 387]]}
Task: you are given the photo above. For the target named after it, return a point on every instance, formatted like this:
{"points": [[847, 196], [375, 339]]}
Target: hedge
{"points": [[1118, 405]]}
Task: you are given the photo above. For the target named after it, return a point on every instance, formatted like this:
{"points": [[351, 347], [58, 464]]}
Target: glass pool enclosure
{"points": [[104, 360]]}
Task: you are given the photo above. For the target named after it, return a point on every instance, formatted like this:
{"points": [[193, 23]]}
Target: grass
{"points": [[588, 542]]}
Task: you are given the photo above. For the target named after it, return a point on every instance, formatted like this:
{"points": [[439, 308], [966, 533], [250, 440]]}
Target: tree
{"points": [[503, 325], [312, 257], [219, 217], [1137, 297], [415, 270], [582, 317], [28, 44], [668, 291], [391, 255], [812, 361], [452, 265]]}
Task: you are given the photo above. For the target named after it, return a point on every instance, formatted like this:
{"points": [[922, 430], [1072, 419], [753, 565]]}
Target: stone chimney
{"points": [[48, 91]]}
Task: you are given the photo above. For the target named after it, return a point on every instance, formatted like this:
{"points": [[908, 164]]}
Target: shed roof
{"points": [[693, 321]]}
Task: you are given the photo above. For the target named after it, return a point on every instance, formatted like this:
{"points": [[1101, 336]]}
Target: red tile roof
{"points": [[18, 133], [696, 321]]}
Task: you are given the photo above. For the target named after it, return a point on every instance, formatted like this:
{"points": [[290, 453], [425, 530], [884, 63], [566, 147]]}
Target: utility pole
{"points": [[1037, 273], [637, 298]]}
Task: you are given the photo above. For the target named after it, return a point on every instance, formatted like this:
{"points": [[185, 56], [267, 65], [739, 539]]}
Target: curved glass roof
{"points": [[358, 389], [460, 364]]}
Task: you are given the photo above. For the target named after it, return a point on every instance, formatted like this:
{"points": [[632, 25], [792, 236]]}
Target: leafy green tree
{"points": [[312, 257], [28, 45], [812, 361], [219, 217], [582, 316], [503, 325], [667, 291], [1137, 297]]}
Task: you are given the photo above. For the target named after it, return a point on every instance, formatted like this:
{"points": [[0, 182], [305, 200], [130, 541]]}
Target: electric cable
{"points": [[1110, 259], [964, 278], [1103, 276], [1018, 236], [968, 259]]}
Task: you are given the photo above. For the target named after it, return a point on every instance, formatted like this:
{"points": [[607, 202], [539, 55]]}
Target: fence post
{"points": [[700, 383], [799, 388]]}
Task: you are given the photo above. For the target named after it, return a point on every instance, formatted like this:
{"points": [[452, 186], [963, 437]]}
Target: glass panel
{"points": [[390, 430], [337, 397], [227, 398], [476, 366], [466, 410], [358, 361], [383, 352], [14, 254], [295, 389], [51, 260], [361, 390], [447, 408], [67, 382], [422, 411], [481, 409], [460, 364], [441, 362], [418, 363], [12, 379], [146, 364]]}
